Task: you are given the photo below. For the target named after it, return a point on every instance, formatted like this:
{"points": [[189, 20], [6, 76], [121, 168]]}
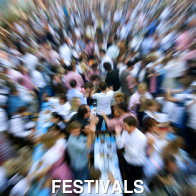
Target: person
{"points": [[191, 132], [123, 113], [62, 107], [119, 97], [134, 143], [151, 109], [40, 82], [57, 120], [75, 104], [126, 81], [78, 148], [14, 101], [70, 75], [82, 115], [137, 97], [112, 79], [103, 101], [65, 52], [169, 176], [74, 92], [104, 58]]}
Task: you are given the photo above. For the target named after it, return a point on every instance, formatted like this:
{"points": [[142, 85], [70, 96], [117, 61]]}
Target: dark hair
{"points": [[21, 109], [107, 66], [102, 85], [73, 83], [94, 174], [130, 63], [148, 124], [123, 106], [131, 121], [169, 159], [70, 68], [102, 50], [56, 115], [94, 65], [94, 77], [82, 110], [63, 97], [13, 90], [88, 85]]}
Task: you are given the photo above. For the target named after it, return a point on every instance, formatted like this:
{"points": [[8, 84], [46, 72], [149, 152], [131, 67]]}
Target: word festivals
{"points": [[79, 188]]}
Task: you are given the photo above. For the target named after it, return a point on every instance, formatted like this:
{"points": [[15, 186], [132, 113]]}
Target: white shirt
{"points": [[192, 114], [31, 61], [105, 59], [134, 145], [65, 52], [3, 120], [104, 102], [63, 110], [38, 79], [121, 67], [24, 94], [141, 75], [17, 127]]}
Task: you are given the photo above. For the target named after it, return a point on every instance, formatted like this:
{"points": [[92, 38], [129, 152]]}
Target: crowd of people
{"points": [[123, 67]]}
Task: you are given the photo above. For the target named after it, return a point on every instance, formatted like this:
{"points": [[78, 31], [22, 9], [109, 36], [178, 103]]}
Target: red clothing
{"points": [[111, 123]]}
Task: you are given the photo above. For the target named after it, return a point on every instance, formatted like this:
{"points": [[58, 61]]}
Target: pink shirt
{"points": [[190, 55], [72, 75], [135, 99], [14, 75], [27, 82], [183, 41], [54, 56]]}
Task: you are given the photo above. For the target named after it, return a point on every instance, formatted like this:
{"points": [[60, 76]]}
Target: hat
{"points": [[163, 120]]}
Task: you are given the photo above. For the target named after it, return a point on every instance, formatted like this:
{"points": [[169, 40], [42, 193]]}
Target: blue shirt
{"points": [[78, 152], [76, 93], [14, 103]]}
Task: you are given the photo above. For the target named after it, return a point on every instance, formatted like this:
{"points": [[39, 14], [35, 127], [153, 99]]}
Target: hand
{"points": [[93, 127], [102, 113], [87, 130], [169, 91], [118, 129], [52, 106]]}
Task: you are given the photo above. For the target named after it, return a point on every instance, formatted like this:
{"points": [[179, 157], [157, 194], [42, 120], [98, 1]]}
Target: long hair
{"points": [[74, 106]]}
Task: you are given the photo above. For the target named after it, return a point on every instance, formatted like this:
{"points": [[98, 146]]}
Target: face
{"points": [[54, 120], [171, 167], [128, 128], [141, 91], [94, 68], [87, 115], [118, 100], [76, 132], [88, 90], [153, 107]]}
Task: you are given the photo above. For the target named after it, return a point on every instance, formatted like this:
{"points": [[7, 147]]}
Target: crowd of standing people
{"points": [[125, 67]]}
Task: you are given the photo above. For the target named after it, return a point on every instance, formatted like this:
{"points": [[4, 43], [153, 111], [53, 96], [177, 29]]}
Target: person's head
{"points": [[102, 53], [88, 86], [84, 111], [119, 97], [48, 140], [75, 128], [102, 85], [75, 103], [142, 88], [38, 68], [94, 79], [150, 125], [55, 118], [94, 66], [122, 107], [21, 110], [21, 81], [170, 163], [62, 99], [107, 66], [55, 130], [94, 174], [70, 68], [73, 83], [130, 124], [151, 105], [130, 65]]}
